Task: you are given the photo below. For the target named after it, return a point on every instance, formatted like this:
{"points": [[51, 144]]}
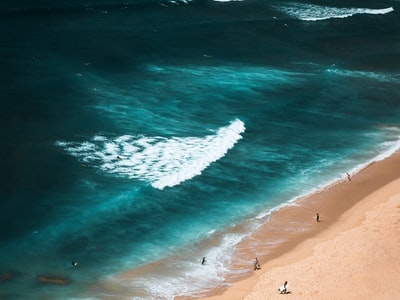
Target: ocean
{"points": [[137, 135]]}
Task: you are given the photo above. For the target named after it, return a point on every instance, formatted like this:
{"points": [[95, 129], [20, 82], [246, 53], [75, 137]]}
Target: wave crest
{"points": [[163, 162], [309, 12]]}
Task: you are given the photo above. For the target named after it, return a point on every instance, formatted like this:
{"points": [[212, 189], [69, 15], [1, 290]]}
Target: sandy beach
{"points": [[352, 253]]}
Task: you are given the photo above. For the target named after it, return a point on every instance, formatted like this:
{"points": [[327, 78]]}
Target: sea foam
{"points": [[309, 12], [378, 76], [163, 162], [180, 274], [227, 0]]}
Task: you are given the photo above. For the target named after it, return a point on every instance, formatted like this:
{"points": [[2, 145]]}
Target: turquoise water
{"points": [[140, 131]]}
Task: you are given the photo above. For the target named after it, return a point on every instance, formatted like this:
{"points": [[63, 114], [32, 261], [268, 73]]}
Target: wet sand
{"points": [[352, 253]]}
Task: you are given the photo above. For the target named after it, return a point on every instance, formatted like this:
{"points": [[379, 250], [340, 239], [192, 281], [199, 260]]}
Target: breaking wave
{"points": [[309, 12], [163, 162]]}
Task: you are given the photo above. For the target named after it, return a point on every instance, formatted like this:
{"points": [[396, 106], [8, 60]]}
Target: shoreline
{"points": [[287, 235], [367, 189]]}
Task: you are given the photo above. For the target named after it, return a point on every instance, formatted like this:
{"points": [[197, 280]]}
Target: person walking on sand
{"points": [[317, 217], [283, 288], [257, 265]]}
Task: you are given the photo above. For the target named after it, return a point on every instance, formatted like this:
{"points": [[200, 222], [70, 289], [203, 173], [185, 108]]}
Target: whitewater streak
{"points": [[309, 12], [163, 162]]}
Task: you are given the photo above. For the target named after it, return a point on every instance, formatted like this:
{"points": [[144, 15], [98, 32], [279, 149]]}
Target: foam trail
{"points": [[179, 1], [227, 0], [379, 76], [309, 12], [163, 162]]}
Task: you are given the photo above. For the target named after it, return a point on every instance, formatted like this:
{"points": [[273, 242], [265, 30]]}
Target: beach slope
{"points": [[353, 253]]}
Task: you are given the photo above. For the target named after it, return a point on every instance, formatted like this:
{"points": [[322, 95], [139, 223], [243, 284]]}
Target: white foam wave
{"points": [[190, 277], [163, 162], [179, 1], [309, 12]]}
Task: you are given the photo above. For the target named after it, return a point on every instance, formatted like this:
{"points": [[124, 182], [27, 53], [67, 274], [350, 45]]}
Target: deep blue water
{"points": [[132, 131]]}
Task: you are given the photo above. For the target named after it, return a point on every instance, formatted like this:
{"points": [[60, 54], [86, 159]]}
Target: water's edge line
{"points": [[302, 200]]}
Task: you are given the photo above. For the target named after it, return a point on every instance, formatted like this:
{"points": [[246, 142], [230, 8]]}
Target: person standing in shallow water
{"points": [[348, 177], [203, 261]]}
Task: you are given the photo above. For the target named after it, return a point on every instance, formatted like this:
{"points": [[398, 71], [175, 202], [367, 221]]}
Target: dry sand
{"points": [[353, 253]]}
